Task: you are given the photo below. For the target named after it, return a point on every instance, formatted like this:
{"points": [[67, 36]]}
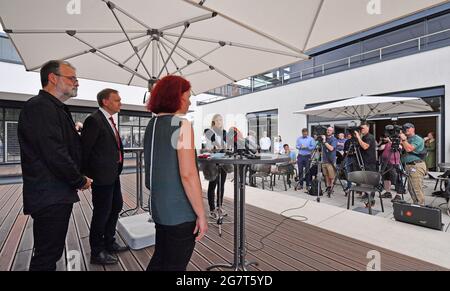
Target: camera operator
{"points": [[414, 147], [329, 158], [368, 147], [349, 158], [390, 160]]}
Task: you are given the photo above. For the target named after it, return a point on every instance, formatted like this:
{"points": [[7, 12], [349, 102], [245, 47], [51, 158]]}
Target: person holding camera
{"points": [[305, 145], [350, 163], [329, 158], [368, 147], [390, 160], [416, 168]]}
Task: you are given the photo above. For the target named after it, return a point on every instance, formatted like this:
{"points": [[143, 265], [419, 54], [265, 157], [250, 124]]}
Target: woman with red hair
{"points": [[172, 176]]}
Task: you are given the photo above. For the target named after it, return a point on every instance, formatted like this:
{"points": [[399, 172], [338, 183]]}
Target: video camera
{"points": [[393, 132], [319, 131], [353, 129]]}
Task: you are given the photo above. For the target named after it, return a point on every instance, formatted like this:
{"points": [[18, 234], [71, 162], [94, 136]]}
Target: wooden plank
{"points": [[12, 243], [22, 261], [395, 260], [25, 249], [351, 247], [9, 203], [269, 256], [317, 258], [26, 243], [292, 246], [5, 193], [10, 217], [125, 257], [226, 243], [73, 243], [80, 222], [338, 247]]}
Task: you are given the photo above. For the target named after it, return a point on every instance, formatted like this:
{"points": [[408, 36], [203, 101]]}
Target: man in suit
{"points": [[103, 160], [50, 150]]}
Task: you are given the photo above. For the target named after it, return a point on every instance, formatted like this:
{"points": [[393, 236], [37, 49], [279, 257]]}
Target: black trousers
{"points": [[212, 188], [49, 233], [173, 248], [107, 201]]}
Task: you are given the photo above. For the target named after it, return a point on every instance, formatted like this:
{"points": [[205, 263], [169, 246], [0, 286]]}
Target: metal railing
{"points": [[419, 44]]}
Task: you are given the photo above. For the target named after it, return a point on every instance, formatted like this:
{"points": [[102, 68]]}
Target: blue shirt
{"points": [[305, 145], [292, 156], [341, 143], [330, 157]]}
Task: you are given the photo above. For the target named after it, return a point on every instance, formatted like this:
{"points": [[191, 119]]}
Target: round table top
{"points": [[265, 159]]}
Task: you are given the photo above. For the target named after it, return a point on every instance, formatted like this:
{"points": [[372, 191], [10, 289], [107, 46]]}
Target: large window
{"points": [[11, 145], [262, 123], [132, 129]]}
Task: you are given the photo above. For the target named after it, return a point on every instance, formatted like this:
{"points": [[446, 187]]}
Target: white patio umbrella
{"points": [[210, 42], [365, 107]]}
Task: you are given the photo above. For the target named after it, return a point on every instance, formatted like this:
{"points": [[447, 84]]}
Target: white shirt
{"points": [[107, 115], [265, 143]]}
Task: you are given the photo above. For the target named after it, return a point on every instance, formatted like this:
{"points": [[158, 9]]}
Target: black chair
{"points": [[262, 171], [365, 181], [282, 171]]}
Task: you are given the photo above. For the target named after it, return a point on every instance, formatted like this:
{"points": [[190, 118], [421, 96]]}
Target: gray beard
{"points": [[72, 93]]}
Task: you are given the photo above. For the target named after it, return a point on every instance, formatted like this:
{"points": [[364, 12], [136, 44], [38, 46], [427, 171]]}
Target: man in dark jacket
{"points": [[51, 162], [103, 161]]}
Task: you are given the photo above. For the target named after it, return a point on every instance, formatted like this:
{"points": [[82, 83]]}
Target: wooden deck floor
{"points": [[275, 242]]}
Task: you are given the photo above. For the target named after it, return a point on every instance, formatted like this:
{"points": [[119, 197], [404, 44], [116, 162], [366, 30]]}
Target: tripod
{"points": [[352, 152], [356, 152], [312, 162], [403, 176], [318, 179]]}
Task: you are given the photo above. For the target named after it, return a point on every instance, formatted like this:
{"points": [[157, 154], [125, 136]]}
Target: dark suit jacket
{"points": [[100, 152], [50, 150]]}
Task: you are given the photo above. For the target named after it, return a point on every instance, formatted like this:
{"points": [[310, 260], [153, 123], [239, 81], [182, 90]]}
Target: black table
{"points": [[240, 163]]}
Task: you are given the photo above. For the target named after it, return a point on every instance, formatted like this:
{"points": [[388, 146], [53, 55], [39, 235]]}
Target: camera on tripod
{"points": [[320, 131], [352, 130], [393, 132]]}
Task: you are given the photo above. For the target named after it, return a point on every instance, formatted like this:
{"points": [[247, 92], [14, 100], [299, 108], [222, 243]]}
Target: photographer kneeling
{"points": [[416, 168]]}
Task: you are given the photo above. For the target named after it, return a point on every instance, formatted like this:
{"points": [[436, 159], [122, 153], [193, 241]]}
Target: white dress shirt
{"points": [[265, 143], [107, 115]]}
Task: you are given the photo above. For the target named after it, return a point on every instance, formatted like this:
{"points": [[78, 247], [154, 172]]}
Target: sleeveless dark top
{"points": [[169, 203]]}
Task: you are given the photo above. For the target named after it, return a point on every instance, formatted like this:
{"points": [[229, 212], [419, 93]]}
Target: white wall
{"points": [[428, 69]]}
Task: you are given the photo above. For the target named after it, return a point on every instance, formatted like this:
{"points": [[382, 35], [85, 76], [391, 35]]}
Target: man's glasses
{"points": [[71, 78]]}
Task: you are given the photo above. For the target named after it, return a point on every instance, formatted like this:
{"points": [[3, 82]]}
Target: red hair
{"points": [[166, 94]]}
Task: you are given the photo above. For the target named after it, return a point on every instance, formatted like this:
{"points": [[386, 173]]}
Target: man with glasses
{"points": [[50, 149]]}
